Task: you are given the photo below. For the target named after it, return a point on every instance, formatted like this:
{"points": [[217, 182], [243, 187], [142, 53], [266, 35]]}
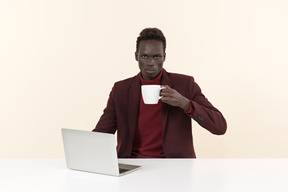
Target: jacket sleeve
{"points": [[107, 122], [204, 113]]}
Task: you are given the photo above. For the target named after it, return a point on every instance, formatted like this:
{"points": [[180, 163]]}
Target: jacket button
{"points": [[200, 117]]}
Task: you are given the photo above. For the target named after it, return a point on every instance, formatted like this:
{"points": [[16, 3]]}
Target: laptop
{"points": [[93, 152]]}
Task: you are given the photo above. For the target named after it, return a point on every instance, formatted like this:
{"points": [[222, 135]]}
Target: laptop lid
{"points": [[92, 152]]}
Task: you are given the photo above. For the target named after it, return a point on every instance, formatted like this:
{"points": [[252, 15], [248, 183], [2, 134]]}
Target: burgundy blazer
{"points": [[121, 115]]}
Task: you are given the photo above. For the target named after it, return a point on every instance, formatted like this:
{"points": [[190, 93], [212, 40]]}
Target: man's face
{"points": [[150, 57]]}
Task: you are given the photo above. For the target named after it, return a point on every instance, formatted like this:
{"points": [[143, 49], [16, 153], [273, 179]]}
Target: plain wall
{"points": [[59, 60]]}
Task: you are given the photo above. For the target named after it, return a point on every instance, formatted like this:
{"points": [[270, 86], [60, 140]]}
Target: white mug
{"points": [[151, 93]]}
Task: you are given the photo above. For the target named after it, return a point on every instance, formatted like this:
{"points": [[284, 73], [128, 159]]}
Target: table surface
{"points": [[155, 175]]}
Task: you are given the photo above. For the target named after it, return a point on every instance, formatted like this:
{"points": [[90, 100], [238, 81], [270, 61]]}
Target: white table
{"points": [[175, 175]]}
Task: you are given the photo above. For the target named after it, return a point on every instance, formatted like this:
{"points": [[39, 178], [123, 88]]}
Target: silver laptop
{"points": [[93, 152]]}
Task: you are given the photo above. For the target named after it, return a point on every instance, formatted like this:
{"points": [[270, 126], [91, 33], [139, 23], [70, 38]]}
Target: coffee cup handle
{"points": [[160, 90]]}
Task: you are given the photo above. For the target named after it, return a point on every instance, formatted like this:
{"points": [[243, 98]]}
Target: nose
{"points": [[150, 61]]}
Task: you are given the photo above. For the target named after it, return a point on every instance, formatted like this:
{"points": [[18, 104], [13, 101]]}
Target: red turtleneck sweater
{"points": [[148, 134]]}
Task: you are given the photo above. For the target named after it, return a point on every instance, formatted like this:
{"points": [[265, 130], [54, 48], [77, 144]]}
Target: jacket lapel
{"points": [[134, 97], [165, 107]]}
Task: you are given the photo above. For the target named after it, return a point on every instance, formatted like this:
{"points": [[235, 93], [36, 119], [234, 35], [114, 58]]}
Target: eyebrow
{"points": [[157, 54]]}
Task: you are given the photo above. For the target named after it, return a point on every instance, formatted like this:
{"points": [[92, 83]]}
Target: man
{"points": [[163, 129]]}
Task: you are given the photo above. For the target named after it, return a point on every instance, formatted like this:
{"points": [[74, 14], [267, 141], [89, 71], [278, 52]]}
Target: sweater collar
{"points": [[156, 81]]}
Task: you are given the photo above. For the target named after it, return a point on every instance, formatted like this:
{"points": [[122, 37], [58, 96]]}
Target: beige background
{"points": [[59, 60]]}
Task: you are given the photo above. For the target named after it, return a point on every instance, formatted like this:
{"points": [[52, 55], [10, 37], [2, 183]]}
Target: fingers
{"points": [[165, 87], [170, 100], [167, 91], [171, 96]]}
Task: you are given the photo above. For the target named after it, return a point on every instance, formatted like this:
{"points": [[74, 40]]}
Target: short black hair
{"points": [[151, 34]]}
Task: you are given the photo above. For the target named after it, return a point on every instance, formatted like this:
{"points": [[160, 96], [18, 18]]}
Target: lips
{"points": [[149, 71]]}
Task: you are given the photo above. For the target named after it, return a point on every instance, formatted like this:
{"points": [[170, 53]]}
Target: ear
{"points": [[164, 57], [136, 56]]}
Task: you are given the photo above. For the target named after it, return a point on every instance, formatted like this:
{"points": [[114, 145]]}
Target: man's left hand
{"points": [[172, 97]]}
